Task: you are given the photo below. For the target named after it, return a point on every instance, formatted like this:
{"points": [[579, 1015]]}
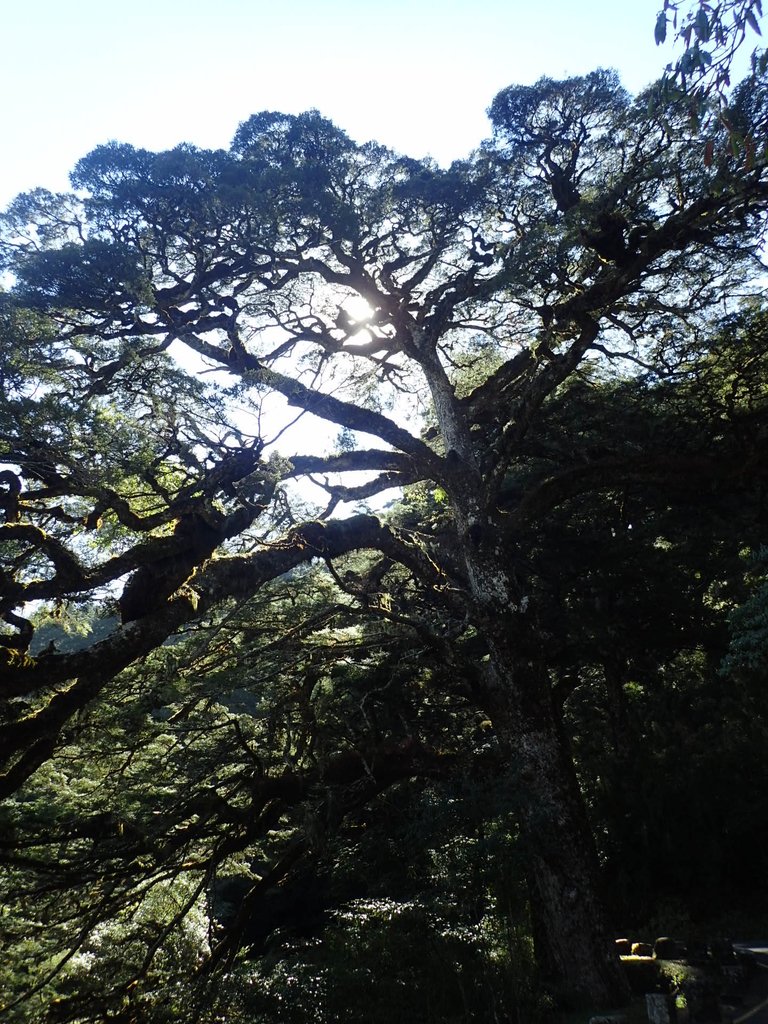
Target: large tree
{"points": [[170, 317]]}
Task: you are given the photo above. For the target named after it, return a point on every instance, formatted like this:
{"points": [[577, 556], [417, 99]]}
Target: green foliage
{"points": [[711, 35], [331, 768], [131, 870], [748, 651], [94, 275]]}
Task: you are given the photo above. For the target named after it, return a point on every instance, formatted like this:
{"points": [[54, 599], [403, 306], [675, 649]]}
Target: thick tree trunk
{"points": [[574, 939], [562, 861], [572, 923], [564, 877]]}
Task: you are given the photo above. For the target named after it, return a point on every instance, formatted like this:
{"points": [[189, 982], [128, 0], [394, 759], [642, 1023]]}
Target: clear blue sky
{"points": [[414, 74]]}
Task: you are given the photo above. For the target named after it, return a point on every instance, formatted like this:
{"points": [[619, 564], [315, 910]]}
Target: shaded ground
{"points": [[754, 1008]]}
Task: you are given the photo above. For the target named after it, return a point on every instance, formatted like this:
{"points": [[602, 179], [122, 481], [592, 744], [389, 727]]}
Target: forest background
{"points": [[384, 551]]}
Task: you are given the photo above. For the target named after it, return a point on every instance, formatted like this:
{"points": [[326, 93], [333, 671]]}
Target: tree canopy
{"points": [[340, 488]]}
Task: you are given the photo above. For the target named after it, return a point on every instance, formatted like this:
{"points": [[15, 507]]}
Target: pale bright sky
{"points": [[417, 75]]}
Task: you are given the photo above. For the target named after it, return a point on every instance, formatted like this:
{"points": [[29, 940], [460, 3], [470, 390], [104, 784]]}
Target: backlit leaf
{"points": [[660, 32]]}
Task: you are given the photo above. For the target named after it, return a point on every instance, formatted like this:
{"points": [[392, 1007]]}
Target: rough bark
{"points": [[562, 863], [572, 922], [574, 934]]}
